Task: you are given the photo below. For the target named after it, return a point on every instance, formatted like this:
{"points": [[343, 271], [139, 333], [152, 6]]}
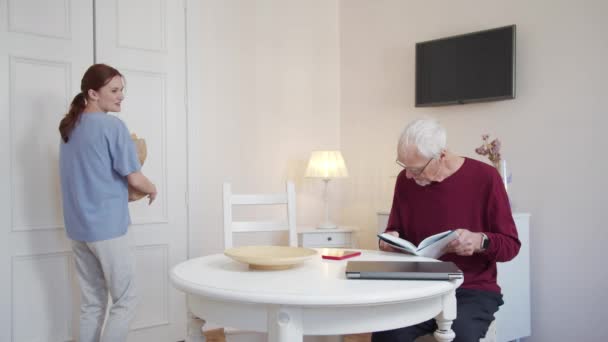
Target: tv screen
{"points": [[473, 67]]}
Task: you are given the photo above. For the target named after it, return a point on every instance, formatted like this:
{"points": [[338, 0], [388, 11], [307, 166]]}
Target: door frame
{"points": [[194, 120]]}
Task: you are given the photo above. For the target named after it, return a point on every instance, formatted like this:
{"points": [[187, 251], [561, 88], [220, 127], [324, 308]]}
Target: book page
{"points": [[398, 243], [432, 239], [435, 250]]}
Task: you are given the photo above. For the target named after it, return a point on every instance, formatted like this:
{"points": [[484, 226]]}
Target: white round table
{"points": [[313, 298]]}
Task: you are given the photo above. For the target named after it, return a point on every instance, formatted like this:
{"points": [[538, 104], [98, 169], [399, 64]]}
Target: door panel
{"points": [[41, 314], [145, 40], [45, 47]]}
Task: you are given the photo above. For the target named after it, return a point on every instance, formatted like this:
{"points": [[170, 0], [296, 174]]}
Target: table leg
{"points": [[195, 328], [444, 332], [284, 324]]}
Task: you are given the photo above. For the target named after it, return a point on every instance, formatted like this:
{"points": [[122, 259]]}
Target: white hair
{"points": [[427, 135]]}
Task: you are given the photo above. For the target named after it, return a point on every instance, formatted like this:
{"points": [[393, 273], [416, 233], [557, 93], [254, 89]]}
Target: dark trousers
{"points": [[475, 312]]}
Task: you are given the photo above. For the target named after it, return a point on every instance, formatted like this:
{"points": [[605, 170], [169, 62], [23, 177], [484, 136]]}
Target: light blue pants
{"points": [[105, 267]]}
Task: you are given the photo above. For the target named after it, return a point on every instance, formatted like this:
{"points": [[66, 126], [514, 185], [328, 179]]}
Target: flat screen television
{"points": [[473, 67]]}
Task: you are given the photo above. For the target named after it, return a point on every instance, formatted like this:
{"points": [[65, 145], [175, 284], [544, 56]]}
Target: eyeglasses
{"points": [[416, 171]]}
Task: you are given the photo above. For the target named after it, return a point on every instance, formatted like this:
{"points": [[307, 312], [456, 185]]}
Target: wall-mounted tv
{"points": [[473, 67]]}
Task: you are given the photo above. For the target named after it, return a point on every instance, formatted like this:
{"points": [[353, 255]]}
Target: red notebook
{"points": [[338, 254]]}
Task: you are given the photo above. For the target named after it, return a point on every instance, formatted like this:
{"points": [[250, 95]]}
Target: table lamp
{"points": [[326, 165]]}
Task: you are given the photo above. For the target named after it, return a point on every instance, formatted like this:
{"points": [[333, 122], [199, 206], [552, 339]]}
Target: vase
{"points": [[501, 166]]}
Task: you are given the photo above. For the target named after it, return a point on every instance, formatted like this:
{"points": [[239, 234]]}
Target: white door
{"points": [[145, 41], [45, 47]]}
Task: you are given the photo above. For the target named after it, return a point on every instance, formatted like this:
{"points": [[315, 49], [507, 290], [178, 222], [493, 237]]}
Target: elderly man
{"points": [[436, 191]]}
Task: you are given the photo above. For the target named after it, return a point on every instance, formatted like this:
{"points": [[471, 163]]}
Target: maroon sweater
{"points": [[473, 198]]}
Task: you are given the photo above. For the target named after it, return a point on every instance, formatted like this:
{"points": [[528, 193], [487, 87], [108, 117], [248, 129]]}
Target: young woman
{"points": [[98, 161]]}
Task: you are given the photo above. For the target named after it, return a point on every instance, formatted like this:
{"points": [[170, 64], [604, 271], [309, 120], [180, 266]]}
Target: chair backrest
{"points": [[287, 198]]}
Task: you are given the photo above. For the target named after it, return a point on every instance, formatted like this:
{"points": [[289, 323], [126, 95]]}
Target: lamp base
{"points": [[327, 225]]}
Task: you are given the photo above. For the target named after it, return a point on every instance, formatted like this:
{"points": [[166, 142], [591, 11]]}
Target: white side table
{"points": [[313, 298], [342, 236]]}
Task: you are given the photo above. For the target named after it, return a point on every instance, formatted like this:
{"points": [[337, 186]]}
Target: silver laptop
{"points": [[407, 270]]}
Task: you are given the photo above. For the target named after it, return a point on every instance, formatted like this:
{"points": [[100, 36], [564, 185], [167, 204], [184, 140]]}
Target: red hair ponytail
{"points": [[97, 76], [71, 118]]}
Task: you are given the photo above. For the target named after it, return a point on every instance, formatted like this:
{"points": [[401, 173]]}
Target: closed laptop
{"points": [[407, 270]]}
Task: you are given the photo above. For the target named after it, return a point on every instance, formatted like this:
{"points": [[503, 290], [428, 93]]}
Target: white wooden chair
{"points": [[490, 335], [287, 198]]}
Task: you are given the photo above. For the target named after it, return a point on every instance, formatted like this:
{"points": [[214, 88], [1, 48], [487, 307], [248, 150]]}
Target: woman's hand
{"points": [[152, 196]]}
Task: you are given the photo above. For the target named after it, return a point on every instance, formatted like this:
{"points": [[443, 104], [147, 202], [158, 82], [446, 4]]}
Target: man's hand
{"points": [[466, 244], [387, 247]]}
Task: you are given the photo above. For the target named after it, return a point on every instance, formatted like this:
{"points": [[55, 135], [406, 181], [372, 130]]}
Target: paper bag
{"points": [[142, 153]]}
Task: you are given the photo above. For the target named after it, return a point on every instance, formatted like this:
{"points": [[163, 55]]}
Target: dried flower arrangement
{"points": [[490, 149]]}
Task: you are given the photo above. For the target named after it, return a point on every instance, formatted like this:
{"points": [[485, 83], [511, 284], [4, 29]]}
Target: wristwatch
{"points": [[485, 242]]}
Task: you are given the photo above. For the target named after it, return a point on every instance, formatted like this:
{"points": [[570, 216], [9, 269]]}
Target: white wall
{"points": [[269, 95], [552, 133]]}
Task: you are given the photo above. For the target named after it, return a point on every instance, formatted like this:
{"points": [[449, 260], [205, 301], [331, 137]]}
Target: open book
{"points": [[431, 247]]}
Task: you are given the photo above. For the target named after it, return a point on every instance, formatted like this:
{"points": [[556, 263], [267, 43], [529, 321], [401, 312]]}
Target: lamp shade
{"points": [[326, 164]]}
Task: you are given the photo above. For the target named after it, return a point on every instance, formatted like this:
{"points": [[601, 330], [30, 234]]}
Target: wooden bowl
{"points": [[270, 257]]}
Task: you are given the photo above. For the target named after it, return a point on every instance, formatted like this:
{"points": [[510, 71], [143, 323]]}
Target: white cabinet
{"points": [[513, 318], [382, 220], [339, 237]]}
